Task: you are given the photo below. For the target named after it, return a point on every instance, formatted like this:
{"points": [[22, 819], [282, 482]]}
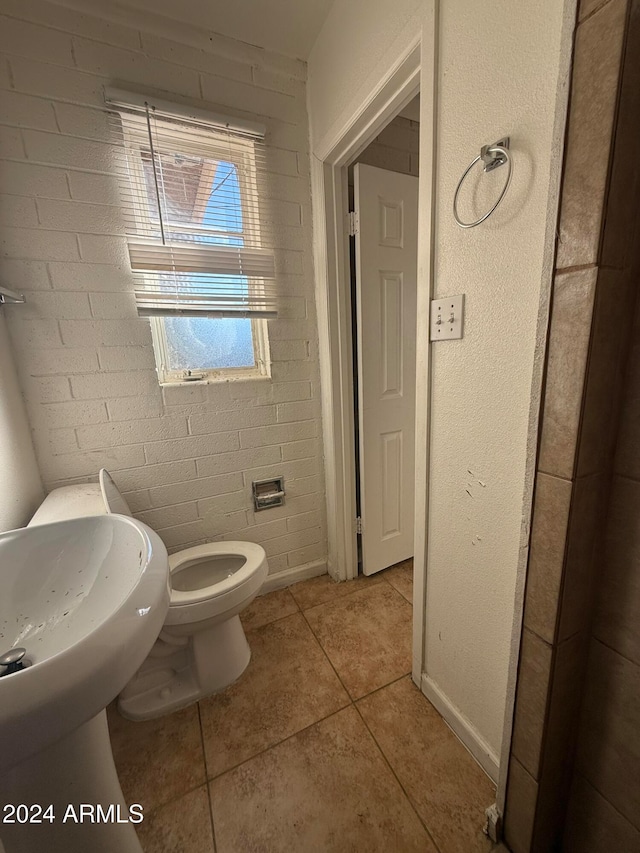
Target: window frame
{"points": [[167, 376], [134, 143]]}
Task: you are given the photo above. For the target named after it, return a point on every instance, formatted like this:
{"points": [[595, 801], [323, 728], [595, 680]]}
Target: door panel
{"points": [[391, 335], [386, 272]]}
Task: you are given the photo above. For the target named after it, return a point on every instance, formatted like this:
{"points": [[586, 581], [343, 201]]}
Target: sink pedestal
{"points": [[76, 770]]}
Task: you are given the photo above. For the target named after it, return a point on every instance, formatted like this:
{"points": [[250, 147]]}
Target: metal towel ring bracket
{"points": [[493, 156]]}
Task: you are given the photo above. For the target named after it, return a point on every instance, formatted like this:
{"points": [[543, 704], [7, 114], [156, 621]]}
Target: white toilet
{"points": [[202, 647]]}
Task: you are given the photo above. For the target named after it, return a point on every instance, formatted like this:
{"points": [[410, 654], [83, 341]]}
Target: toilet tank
{"points": [[80, 501], [69, 502]]}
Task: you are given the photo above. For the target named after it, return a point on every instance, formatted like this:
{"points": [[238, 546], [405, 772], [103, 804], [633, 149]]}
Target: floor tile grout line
{"points": [[270, 622], [152, 812], [201, 727], [395, 776], [213, 823], [278, 743], [382, 686], [303, 610], [351, 701], [354, 703], [342, 584], [408, 600], [401, 594], [316, 722], [304, 728], [206, 779], [361, 585], [330, 601], [277, 618], [337, 599], [324, 652]]}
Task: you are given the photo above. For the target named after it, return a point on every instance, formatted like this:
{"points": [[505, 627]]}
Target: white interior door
{"points": [[386, 204]]}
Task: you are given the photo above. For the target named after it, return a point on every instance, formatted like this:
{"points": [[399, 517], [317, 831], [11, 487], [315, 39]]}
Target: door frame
{"points": [[409, 76]]}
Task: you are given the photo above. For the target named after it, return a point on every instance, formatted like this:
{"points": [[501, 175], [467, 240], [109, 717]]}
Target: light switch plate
{"points": [[447, 316]]}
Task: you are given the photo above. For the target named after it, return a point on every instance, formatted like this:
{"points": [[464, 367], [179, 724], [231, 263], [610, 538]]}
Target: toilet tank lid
{"points": [[69, 502], [111, 494]]}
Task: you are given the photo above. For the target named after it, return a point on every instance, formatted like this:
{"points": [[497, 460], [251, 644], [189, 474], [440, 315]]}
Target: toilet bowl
{"points": [[202, 648]]}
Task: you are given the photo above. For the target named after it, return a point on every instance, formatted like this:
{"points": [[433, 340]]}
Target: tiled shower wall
{"points": [[186, 454], [604, 807], [591, 326]]}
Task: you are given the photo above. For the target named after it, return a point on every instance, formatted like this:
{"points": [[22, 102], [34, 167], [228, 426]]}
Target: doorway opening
{"points": [[383, 253], [412, 73], [330, 189]]}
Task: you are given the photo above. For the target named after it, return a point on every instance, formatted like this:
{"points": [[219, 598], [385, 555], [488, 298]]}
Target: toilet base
{"points": [[181, 670]]}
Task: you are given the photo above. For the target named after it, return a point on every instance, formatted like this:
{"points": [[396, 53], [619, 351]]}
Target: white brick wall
{"points": [[396, 148], [184, 455]]}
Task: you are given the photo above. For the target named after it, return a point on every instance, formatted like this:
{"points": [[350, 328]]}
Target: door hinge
{"points": [[359, 526], [354, 223]]}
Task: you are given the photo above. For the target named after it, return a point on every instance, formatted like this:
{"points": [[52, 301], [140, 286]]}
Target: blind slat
{"points": [[189, 257], [195, 218]]}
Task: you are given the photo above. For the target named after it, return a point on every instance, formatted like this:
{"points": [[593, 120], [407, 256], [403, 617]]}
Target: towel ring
{"points": [[493, 156]]}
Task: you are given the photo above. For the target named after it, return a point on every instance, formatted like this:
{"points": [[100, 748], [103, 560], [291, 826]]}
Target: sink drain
{"points": [[13, 661]]}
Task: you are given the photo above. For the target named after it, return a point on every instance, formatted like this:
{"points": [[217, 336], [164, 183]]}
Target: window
{"points": [[194, 218]]}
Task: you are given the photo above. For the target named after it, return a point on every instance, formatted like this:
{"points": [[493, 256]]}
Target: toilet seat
{"points": [[198, 604]]}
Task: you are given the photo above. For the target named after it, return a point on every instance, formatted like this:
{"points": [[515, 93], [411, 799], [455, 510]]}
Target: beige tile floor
{"points": [[323, 745]]}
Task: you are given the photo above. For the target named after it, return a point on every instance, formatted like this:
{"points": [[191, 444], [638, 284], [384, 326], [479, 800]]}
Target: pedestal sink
{"points": [[86, 598]]}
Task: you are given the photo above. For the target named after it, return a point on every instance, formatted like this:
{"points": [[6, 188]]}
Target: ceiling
{"points": [[289, 27]]}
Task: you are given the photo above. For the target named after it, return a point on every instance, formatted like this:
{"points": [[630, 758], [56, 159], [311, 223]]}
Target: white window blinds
{"points": [[196, 213]]}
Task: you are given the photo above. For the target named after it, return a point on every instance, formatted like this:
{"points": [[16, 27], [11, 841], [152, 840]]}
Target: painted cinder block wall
{"points": [[396, 148], [185, 455]]}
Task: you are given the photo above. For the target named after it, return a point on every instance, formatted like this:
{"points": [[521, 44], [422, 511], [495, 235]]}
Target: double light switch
{"points": [[447, 316]]}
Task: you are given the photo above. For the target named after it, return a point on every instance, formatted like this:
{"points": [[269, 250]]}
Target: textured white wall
{"points": [[498, 73], [185, 455], [20, 485]]}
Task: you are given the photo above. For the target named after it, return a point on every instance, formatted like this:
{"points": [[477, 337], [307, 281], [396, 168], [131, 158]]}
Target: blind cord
{"points": [[155, 174]]}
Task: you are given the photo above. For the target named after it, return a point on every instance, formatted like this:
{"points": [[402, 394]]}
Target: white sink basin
{"points": [[87, 599]]}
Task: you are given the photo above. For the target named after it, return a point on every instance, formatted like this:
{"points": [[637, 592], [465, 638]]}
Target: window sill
{"points": [[215, 380]]}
